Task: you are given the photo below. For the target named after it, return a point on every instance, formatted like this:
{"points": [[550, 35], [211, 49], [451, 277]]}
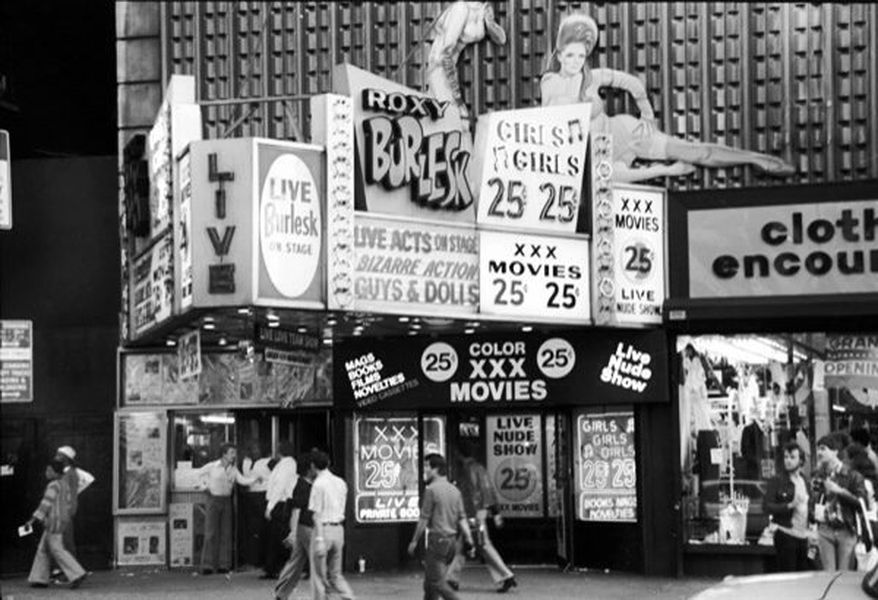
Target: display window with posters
{"points": [[386, 451], [742, 397]]}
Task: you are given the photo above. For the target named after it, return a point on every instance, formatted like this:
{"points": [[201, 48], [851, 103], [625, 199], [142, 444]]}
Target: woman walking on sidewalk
{"points": [[55, 512]]}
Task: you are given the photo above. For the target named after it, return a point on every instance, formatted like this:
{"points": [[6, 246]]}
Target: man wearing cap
{"points": [[77, 480], [329, 495]]}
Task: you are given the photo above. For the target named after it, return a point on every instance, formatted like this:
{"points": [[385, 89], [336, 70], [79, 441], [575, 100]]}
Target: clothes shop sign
{"points": [[414, 154], [791, 249], [406, 267], [501, 371], [606, 471], [529, 167]]}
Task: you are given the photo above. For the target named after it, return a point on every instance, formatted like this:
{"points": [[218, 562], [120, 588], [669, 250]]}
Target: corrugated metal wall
{"points": [[798, 81]]}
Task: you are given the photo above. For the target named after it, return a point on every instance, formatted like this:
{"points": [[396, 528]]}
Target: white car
{"points": [[808, 585]]}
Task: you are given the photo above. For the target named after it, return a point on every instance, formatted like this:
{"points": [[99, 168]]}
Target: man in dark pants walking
{"points": [[299, 538], [786, 500], [442, 514]]}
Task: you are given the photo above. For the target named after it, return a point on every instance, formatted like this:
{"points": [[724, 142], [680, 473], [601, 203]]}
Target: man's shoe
{"points": [[454, 585], [507, 583], [78, 581]]}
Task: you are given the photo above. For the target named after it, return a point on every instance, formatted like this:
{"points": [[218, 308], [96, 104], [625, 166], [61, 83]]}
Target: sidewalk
{"points": [[533, 584]]}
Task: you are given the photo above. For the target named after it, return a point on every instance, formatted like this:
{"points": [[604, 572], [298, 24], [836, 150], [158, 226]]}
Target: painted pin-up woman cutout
{"points": [[568, 79], [460, 24]]}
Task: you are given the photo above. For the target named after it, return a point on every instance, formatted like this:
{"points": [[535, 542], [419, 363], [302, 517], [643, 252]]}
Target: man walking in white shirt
{"points": [[278, 491], [329, 495], [219, 478]]}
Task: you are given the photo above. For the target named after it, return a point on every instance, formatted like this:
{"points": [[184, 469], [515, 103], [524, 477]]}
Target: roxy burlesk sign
{"points": [[821, 248], [501, 371], [414, 155]]}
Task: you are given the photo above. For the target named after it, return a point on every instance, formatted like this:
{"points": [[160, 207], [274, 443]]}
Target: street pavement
{"points": [[533, 584]]}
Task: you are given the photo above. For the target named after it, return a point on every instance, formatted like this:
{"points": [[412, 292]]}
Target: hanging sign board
{"points": [[606, 472], [530, 165], [534, 277], [515, 463], [189, 354], [16, 361]]}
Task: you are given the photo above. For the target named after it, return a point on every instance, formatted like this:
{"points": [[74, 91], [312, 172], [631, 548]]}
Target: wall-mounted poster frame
{"points": [[141, 541], [140, 463]]}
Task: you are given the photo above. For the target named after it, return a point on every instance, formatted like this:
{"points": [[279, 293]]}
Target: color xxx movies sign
{"points": [[501, 371], [413, 153]]}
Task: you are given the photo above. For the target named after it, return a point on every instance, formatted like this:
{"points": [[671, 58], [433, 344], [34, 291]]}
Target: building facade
{"points": [[373, 373]]}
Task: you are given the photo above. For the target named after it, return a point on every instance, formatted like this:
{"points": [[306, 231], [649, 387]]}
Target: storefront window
{"points": [[141, 462], [742, 397], [515, 463], [197, 441], [386, 464], [606, 470]]}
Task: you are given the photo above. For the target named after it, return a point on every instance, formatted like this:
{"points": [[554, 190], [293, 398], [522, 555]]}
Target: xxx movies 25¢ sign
{"points": [[535, 277]]}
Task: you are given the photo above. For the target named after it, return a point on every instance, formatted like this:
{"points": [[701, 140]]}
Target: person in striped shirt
{"points": [[55, 512]]}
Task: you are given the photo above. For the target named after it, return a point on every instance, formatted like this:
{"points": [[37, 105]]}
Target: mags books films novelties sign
{"points": [[501, 371]]}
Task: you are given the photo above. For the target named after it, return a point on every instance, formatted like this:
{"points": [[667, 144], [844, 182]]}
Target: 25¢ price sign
{"points": [[529, 276]]}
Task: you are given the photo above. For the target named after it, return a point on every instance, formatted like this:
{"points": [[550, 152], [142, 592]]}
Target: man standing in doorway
{"points": [[219, 478], [836, 493], [442, 513], [479, 499], [299, 538], [786, 500], [329, 495], [253, 530]]}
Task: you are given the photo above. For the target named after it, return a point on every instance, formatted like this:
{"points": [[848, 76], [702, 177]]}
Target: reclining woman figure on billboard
{"points": [[568, 79]]}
